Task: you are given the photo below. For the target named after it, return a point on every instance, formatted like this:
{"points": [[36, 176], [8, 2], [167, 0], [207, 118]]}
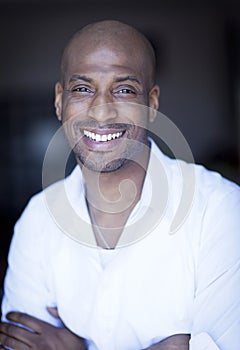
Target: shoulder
{"points": [[209, 187], [202, 196], [36, 211], [37, 217], [217, 196], [38, 207]]}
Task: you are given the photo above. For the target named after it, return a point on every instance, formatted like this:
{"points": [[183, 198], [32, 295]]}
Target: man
{"points": [[130, 284]]}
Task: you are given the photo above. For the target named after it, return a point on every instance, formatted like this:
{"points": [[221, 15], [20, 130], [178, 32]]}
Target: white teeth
{"points": [[98, 137], [102, 138]]}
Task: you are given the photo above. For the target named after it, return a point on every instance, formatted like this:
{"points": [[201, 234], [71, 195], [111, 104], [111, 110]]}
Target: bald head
{"points": [[119, 37], [107, 76]]}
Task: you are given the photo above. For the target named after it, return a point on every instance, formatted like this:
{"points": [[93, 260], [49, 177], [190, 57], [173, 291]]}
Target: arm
{"points": [[216, 309], [27, 285], [48, 337], [175, 342], [42, 335]]}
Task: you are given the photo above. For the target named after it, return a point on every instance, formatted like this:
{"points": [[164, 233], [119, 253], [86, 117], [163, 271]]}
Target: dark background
{"points": [[198, 46]]}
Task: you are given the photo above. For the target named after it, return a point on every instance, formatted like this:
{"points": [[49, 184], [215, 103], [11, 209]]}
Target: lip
{"points": [[112, 139]]}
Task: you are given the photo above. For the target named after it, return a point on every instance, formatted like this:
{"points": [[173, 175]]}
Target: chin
{"points": [[101, 166]]}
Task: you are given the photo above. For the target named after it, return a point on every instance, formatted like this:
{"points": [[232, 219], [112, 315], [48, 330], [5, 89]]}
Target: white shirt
{"points": [[183, 276]]}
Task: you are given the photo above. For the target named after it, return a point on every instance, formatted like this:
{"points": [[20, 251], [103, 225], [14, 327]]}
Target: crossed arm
{"points": [[47, 337]]}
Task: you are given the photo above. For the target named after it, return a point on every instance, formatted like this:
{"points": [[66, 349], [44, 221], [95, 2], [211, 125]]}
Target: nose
{"points": [[102, 108]]}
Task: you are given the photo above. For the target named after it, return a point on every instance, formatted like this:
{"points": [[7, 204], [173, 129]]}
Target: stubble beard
{"points": [[99, 163]]}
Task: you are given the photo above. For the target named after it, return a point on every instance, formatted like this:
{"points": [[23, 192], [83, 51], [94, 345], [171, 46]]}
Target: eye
{"points": [[82, 89], [126, 91]]}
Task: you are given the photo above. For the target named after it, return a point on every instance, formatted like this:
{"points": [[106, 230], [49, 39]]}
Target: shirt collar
{"points": [[149, 211]]}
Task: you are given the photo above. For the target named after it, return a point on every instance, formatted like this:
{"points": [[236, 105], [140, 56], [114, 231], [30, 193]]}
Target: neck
{"points": [[119, 190]]}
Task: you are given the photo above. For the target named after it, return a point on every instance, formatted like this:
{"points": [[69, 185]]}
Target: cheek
{"points": [[136, 113], [71, 116], [135, 135], [73, 109], [69, 111], [141, 119]]}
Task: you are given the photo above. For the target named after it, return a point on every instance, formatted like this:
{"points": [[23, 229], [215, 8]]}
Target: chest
{"points": [[145, 292]]}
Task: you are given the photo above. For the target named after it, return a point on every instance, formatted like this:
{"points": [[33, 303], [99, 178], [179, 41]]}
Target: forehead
{"points": [[87, 57]]}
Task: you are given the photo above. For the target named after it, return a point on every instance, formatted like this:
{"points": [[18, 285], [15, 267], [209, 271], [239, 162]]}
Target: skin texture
{"points": [[175, 342], [104, 85], [45, 336], [89, 93]]}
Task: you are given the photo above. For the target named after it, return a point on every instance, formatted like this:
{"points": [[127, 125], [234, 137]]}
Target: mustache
{"points": [[92, 124]]}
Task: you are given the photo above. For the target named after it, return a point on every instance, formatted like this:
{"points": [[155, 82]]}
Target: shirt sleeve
{"points": [[26, 287], [217, 294], [202, 341]]}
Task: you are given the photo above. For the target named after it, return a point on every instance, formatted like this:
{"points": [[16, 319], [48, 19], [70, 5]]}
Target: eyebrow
{"points": [[75, 77], [128, 77]]}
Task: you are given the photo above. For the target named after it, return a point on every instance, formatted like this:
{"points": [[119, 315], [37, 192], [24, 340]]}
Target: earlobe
{"points": [[153, 102], [58, 100]]}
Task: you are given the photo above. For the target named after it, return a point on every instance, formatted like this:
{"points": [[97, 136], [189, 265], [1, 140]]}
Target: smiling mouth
{"points": [[104, 137]]}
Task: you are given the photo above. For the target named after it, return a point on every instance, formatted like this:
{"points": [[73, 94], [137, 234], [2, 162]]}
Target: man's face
{"points": [[101, 99]]}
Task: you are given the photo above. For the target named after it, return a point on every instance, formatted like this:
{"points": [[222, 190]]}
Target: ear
{"points": [[58, 100], [153, 102]]}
